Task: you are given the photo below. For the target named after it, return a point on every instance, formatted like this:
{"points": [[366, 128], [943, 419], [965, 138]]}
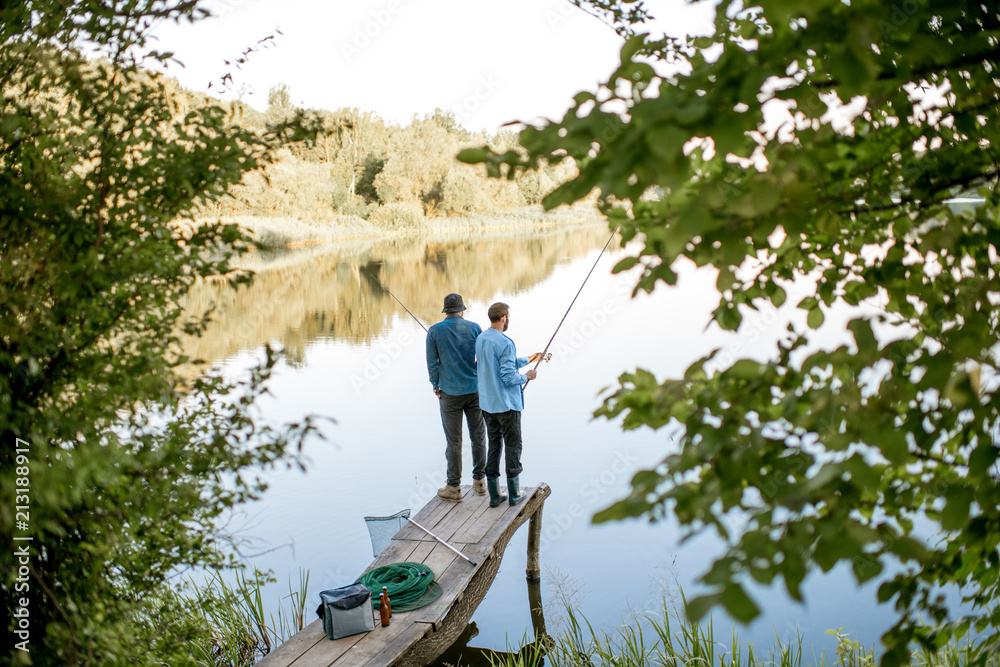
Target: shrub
{"points": [[398, 216]]}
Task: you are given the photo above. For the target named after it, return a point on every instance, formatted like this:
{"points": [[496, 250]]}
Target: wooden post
{"points": [[533, 571]]}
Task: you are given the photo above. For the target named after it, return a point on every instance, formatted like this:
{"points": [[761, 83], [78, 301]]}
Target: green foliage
{"points": [[128, 471], [829, 457]]}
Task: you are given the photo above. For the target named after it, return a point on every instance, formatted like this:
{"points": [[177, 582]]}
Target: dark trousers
{"points": [[505, 435], [452, 409]]}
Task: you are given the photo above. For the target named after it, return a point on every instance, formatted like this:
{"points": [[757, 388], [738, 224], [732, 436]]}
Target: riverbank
{"points": [[275, 232]]}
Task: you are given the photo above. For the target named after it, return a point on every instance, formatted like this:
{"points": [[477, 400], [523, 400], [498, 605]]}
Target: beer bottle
{"points": [[383, 607], [388, 603]]}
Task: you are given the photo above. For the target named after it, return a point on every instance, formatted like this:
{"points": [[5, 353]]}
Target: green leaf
{"points": [[729, 317], [815, 318], [738, 603], [863, 336], [699, 607], [956, 510], [745, 369], [625, 264], [982, 458], [473, 155], [631, 46]]}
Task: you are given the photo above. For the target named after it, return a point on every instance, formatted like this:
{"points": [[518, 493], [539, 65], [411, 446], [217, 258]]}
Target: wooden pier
{"points": [[419, 636]]}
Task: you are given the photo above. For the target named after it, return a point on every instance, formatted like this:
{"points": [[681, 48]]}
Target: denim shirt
{"points": [[499, 380], [451, 355]]}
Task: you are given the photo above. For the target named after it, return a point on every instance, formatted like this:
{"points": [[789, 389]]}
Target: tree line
{"points": [[360, 165]]}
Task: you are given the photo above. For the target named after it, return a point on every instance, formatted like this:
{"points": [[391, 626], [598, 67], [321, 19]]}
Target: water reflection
{"points": [[330, 292], [460, 653]]}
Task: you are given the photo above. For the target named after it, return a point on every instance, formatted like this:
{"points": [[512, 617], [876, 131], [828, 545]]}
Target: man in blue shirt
{"points": [[451, 365], [501, 401]]}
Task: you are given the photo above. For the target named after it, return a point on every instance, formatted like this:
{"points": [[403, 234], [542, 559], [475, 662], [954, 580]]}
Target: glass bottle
{"points": [[383, 607]]}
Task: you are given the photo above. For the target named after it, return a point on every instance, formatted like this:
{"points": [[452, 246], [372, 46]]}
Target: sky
{"points": [[488, 62]]}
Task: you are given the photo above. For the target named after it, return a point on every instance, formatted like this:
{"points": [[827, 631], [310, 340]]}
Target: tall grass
{"points": [[239, 631], [654, 640]]}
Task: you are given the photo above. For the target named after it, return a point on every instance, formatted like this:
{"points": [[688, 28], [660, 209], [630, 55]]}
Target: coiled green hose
{"points": [[409, 585]]}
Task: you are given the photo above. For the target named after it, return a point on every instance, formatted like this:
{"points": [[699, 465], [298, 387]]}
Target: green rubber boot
{"points": [[493, 486], [515, 493]]}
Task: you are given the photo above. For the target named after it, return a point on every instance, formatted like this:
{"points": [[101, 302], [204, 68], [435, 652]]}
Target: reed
{"points": [[238, 629], [655, 640]]}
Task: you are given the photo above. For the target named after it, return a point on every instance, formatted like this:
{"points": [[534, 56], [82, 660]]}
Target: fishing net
{"points": [[382, 528], [409, 585]]}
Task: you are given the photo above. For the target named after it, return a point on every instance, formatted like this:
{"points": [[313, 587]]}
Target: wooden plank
{"points": [[430, 516], [439, 558], [504, 515], [514, 514], [324, 652], [395, 552], [429, 513], [462, 534], [453, 581], [420, 551], [424, 512], [328, 652], [385, 646], [296, 645], [449, 506], [447, 528]]}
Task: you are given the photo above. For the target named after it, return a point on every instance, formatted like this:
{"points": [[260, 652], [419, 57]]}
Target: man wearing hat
{"points": [[451, 365]]}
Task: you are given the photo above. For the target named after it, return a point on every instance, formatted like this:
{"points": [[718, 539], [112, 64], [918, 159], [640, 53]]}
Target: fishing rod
{"points": [[399, 302], [601, 254], [472, 562]]}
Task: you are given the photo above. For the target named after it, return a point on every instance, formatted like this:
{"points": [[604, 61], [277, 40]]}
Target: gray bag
{"points": [[347, 611]]}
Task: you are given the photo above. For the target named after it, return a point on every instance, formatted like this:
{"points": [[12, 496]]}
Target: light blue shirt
{"points": [[497, 364]]}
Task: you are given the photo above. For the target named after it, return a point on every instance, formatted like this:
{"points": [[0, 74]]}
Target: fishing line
{"points": [[399, 302], [601, 254]]}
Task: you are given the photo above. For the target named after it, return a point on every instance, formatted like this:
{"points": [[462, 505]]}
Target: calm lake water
{"points": [[356, 356]]}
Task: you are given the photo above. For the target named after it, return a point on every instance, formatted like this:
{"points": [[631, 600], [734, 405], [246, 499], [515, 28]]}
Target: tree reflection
{"points": [[329, 292]]}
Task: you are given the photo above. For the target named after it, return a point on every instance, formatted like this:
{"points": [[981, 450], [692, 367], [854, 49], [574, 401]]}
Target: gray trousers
{"points": [[452, 409]]}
